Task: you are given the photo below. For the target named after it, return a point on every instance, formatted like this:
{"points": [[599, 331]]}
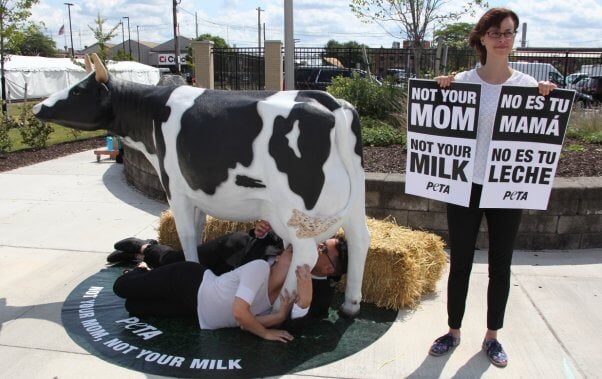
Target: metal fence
{"points": [[243, 68], [239, 68]]}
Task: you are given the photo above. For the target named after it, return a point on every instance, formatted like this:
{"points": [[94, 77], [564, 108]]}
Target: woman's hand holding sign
{"points": [[545, 87], [444, 81]]}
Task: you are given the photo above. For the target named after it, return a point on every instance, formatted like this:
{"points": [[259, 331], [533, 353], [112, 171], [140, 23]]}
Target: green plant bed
{"points": [[586, 125], [60, 134]]}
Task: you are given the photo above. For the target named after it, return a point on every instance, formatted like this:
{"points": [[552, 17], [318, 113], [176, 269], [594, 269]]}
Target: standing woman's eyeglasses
{"points": [[506, 35]]}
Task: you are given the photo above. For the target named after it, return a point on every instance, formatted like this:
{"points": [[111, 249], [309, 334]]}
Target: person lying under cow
{"points": [[228, 252], [243, 297]]}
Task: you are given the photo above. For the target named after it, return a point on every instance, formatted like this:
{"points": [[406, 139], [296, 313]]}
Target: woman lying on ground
{"points": [[241, 298]]}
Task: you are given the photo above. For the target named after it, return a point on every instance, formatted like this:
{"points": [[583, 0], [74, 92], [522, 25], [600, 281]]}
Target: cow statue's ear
{"points": [[102, 75], [87, 63]]}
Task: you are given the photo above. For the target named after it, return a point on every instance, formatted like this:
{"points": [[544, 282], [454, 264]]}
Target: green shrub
{"points": [[574, 147], [5, 141], [382, 136], [371, 99], [585, 125], [6, 124], [34, 132]]}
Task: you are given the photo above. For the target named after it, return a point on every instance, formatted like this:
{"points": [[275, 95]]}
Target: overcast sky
{"points": [[551, 23]]}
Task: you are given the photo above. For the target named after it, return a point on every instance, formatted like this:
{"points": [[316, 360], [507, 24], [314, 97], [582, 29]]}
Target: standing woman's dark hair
{"points": [[491, 18]]}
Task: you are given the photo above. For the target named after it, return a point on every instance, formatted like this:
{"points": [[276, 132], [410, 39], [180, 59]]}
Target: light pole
{"points": [[69, 5], [289, 46], [259, 10], [129, 38], [175, 37], [138, 37], [122, 37]]}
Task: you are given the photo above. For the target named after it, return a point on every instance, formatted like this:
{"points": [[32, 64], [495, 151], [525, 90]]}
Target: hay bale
{"points": [[168, 235], [401, 266]]}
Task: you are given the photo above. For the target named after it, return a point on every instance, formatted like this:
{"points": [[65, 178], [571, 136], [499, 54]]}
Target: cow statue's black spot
{"points": [[333, 104], [305, 174], [321, 97], [217, 133], [245, 181]]}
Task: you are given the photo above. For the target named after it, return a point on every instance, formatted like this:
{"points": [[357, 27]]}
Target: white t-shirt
{"points": [[216, 294], [490, 94]]}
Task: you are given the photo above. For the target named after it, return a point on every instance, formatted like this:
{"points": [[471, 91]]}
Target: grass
{"points": [[586, 125], [60, 134]]}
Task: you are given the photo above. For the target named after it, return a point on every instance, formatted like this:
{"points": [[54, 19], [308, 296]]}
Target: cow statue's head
{"points": [[84, 106]]}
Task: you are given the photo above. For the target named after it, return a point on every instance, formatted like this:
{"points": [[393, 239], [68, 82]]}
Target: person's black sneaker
{"points": [[495, 353], [132, 244], [121, 256], [443, 345]]}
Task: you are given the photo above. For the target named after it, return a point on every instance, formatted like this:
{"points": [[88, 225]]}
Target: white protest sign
{"points": [[525, 147], [442, 128]]}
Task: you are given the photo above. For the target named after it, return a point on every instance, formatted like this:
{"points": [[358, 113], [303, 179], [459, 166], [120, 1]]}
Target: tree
{"points": [[218, 43], [456, 35], [121, 55], [31, 41], [347, 53], [12, 12], [101, 37], [413, 17]]}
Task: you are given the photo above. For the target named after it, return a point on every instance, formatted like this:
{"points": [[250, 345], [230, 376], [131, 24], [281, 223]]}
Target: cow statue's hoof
{"points": [[349, 309]]}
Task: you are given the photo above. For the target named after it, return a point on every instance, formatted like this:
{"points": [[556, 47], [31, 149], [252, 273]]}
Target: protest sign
{"points": [[525, 147], [441, 140]]}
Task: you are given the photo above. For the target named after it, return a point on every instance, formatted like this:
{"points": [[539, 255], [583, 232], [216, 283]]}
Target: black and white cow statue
{"points": [[293, 158]]}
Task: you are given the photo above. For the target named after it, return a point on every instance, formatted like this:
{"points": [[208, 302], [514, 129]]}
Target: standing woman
{"points": [[493, 38]]}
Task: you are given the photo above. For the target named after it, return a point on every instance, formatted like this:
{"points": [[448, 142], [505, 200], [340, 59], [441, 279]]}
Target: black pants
{"points": [[212, 254], [169, 290], [463, 224]]}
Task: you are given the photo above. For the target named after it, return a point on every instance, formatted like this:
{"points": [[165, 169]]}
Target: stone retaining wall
{"points": [[573, 219]]}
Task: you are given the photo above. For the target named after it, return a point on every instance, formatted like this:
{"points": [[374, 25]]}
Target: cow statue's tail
{"points": [[348, 141]]}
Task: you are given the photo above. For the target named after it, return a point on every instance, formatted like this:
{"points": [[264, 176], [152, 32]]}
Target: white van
{"points": [[592, 69], [540, 71]]}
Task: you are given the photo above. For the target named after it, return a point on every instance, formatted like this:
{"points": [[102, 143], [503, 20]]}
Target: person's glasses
{"points": [[323, 249], [506, 35]]}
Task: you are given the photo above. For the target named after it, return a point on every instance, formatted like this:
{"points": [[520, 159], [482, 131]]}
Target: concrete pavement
{"points": [[59, 220]]}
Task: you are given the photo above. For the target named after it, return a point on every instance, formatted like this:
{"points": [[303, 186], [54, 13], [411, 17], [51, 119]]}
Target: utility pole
{"points": [[129, 37], [138, 38], [122, 37], [259, 10], [175, 37], [69, 5], [289, 46], [196, 25]]}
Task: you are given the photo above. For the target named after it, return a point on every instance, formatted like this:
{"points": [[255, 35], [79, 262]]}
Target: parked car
{"points": [[583, 100], [574, 78], [540, 71], [320, 77], [591, 86]]}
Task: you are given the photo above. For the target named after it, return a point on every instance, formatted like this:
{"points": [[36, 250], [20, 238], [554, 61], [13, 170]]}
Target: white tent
{"points": [[38, 77]]}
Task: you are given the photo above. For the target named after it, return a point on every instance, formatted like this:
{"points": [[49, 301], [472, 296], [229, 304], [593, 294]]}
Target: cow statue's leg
{"points": [[187, 219], [358, 241], [305, 252]]}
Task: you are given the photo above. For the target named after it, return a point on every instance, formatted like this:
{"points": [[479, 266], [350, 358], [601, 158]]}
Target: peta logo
{"points": [[141, 329], [437, 187], [515, 195]]}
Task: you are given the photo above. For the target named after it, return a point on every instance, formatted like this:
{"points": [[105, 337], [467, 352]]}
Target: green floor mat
{"points": [[96, 320]]}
